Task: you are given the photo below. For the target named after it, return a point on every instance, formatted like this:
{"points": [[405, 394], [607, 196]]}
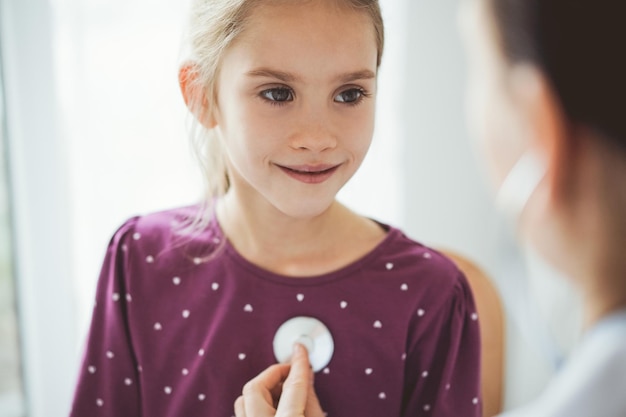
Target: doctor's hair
{"points": [[213, 26], [579, 46]]}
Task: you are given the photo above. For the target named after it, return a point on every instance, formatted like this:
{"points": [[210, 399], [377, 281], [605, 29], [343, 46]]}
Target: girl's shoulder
{"points": [[166, 230], [410, 252], [415, 262], [187, 220]]}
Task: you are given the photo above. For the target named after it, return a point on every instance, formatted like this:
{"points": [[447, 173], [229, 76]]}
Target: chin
{"points": [[306, 208]]}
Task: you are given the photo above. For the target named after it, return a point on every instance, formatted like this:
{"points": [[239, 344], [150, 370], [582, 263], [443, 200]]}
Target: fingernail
{"points": [[298, 349]]}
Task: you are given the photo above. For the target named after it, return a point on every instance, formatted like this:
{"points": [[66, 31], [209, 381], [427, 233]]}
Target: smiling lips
{"points": [[310, 174]]}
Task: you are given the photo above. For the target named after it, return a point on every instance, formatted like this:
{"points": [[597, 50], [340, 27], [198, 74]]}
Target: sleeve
{"points": [[442, 370], [108, 381]]}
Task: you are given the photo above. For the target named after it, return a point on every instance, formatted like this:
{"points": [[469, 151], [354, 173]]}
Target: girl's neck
{"points": [[294, 246]]}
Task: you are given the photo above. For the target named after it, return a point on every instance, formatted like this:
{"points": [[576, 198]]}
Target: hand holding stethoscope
{"points": [[282, 390]]}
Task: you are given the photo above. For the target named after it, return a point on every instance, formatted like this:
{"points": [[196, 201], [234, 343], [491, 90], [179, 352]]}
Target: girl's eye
{"points": [[352, 95], [279, 94]]}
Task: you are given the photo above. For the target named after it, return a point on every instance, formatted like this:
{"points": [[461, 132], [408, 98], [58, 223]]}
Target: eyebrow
{"points": [[287, 77], [270, 73], [358, 75]]}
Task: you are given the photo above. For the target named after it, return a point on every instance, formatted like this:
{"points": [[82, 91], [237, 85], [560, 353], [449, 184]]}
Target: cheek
{"points": [[359, 128], [244, 130]]}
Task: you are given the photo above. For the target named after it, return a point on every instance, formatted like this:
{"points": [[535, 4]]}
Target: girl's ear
{"points": [[194, 94], [546, 125]]}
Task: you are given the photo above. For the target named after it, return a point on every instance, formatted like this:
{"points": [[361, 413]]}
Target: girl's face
{"points": [[295, 106]]}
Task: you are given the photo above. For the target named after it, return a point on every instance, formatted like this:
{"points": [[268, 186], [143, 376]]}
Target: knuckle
{"points": [[249, 388]]}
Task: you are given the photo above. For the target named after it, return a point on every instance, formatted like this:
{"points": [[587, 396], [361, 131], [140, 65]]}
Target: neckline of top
{"points": [[344, 271]]}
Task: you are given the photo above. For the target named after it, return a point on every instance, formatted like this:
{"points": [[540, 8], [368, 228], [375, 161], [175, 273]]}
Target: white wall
{"points": [[447, 202]]}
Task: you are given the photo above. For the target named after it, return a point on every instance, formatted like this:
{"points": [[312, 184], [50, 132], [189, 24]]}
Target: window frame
{"points": [[39, 203]]}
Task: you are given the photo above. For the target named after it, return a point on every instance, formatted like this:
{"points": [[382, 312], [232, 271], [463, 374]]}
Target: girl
{"points": [[187, 310], [546, 97]]}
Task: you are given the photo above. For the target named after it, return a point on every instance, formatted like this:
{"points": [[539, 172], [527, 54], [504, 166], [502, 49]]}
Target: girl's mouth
{"points": [[310, 174]]}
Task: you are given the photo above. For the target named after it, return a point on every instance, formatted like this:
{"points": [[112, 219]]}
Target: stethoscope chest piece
{"points": [[312, 334]]}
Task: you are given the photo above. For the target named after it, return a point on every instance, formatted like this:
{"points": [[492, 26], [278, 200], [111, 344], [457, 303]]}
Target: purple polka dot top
{"points": [[182, 322]]}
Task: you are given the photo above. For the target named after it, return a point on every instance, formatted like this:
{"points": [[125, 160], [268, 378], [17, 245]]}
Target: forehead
{"points": [[286, 32]]}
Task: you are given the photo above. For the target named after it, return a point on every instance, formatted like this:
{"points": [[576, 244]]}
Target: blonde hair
{"points": [[213, 26]]}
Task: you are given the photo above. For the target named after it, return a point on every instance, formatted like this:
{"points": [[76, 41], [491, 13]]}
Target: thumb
{"points": [[293, 399], [313, 407]]}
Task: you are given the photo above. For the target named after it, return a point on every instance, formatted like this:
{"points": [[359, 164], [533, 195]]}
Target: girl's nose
{"points": [[314, 132]]}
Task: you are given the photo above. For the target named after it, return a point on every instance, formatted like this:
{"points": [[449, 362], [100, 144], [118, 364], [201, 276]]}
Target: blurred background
{"points": [[93, 131]]}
